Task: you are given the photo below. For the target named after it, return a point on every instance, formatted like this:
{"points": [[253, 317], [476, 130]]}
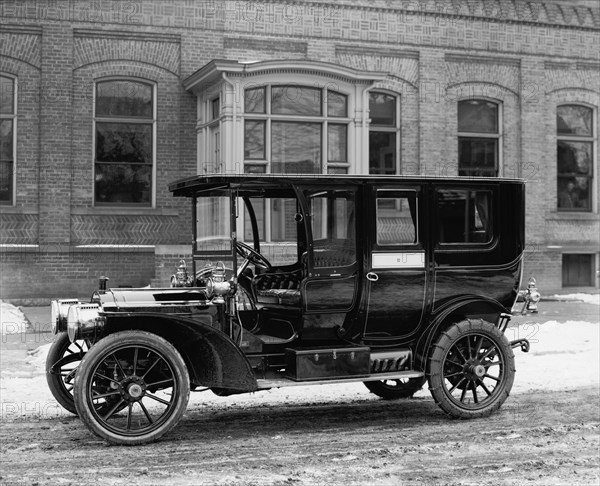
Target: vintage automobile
{"points": [[308, 279]]}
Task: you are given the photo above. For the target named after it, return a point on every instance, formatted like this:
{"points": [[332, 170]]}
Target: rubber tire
{"points": [[55, 383], [110, 344], [436, 364], [403, 390]]}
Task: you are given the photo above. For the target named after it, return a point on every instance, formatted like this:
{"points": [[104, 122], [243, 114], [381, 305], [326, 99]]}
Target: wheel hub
{"points": [[133, 388], [477, 369]]}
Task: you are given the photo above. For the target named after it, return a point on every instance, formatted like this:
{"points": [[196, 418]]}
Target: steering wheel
{"points": [[250, 255]]}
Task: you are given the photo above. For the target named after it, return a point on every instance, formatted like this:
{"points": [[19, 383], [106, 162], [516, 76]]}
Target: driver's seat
{"points": [[278, 288]]}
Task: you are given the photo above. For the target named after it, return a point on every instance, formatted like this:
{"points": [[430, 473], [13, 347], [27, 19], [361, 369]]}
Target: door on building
{"points": [[577, 270], [396, 273]]}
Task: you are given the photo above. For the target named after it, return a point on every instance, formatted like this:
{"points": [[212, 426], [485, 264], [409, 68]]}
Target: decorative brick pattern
{"points": [[91, 47], [18, 229], [124, 230]]}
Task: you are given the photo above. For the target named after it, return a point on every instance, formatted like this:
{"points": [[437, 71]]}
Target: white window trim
{"points": [[499, 136], [322, 119], [14, 118], [577, 138], [125, 120]]}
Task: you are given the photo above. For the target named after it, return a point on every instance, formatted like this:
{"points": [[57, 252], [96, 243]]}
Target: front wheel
{"points": [[394, 389], [145, 378], [471, 369], [61, 364]]}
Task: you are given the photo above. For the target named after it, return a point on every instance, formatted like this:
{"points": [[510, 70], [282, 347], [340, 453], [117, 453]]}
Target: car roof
{"points": [[213, 183]]}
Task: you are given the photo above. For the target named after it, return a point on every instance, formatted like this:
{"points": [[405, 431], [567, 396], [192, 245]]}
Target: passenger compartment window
{"points": [[464, 216], [396, 218], [333, 228]]}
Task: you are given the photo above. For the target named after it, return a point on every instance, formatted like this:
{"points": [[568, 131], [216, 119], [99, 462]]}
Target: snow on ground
{"points": [[587, 298], [563, 355], [12, 320]]}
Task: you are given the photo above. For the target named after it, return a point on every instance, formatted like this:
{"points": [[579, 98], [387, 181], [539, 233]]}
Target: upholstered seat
{"points": [[278, 288]]}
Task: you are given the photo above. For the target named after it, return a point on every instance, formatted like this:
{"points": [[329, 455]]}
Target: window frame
{"points": [[324, 120], [13, 117], [138, 121], [497, 137], [405, 193], [386, 129], [592, 139], [467, 245]]}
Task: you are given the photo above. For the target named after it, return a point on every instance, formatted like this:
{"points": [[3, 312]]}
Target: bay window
{"points": [[295, 129]]}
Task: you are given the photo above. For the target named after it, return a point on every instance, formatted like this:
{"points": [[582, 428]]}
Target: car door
{"points": [[397, 262]]}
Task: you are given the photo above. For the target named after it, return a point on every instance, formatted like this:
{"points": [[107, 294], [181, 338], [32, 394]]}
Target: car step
{"points": [[264, 384]]}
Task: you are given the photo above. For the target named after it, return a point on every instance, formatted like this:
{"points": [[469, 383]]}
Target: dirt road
{"points": [[536, 438]]}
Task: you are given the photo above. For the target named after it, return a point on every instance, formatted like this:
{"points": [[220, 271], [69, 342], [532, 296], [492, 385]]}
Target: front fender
{"points": [[213, 359]]}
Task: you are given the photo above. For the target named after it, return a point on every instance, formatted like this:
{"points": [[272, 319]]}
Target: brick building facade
{"points": [[104, 103]]}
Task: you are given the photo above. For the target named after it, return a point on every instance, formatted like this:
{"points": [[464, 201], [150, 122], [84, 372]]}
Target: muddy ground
{"points": [[536, 438]]}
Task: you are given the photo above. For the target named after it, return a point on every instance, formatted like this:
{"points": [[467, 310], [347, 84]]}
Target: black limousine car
{"points": [[391, 281]]}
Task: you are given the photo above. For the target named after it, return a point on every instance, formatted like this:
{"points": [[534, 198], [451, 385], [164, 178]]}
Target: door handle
{"points": [[372, 276]]}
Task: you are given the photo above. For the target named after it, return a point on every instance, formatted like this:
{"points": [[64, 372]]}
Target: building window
{"points": [[295, 129], [578, 270], [383, 133], [124, 128], [575, 146], [478, 138], [8, 117]]}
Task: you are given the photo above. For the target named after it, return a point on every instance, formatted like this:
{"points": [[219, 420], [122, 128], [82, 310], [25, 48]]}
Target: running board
{"points": [[282, 382]]}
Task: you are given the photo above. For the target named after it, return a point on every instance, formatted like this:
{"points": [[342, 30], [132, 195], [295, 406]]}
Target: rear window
{"points": [[464, 216]]}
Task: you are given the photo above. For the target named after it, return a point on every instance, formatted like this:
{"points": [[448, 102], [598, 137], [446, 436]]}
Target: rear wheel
{"points": [[141, 374], [471, 369], [393, 389]]}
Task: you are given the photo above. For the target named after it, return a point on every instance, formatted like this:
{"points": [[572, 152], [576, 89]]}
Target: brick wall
{"points": [[528, 56]]}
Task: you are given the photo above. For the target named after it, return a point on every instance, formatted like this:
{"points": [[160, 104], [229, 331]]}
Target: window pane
{"points": [[478, 116], [295, 100], [7, 87], [123, 142], [574, 157], [333, 228], [337, 143], [254, 140], [283, 224], [123, 183], [123, 98], [255, 169], [254, 100], [464, 216], [396, 220], [477, 157], [382, 108], [382, 152], [337, 104], [213, 224], [6, 181], [574, 193], [574, 120], [295, 147], [259, 211], [215, 108], [6, 140]]}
